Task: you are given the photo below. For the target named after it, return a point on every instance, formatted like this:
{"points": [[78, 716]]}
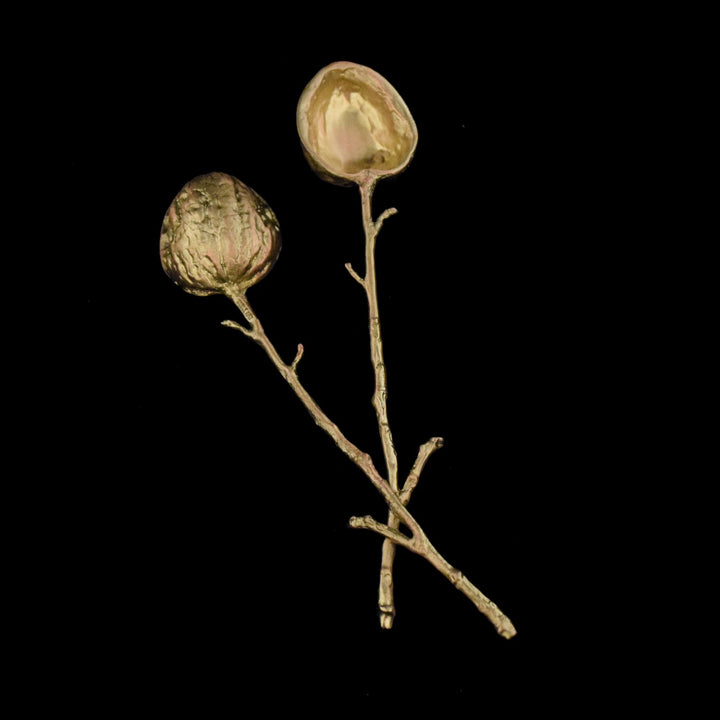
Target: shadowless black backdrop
{"points": [[212, 513]]}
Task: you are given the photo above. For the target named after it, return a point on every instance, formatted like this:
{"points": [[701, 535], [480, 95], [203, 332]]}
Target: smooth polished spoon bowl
{"points": [[354, 126]]}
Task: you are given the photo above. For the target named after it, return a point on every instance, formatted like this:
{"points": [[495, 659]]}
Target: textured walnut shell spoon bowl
{"points": [[218, 236]]}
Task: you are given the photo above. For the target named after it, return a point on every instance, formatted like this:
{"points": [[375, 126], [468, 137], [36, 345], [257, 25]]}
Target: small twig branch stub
{"points": [[298, 356], [354, 275], [383, 217], [237, 326], [426, 450], [369, 523]]}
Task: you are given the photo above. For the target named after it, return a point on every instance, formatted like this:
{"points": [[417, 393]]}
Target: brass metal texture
{"points": [[218, 233], [353, 125], [219, 236]]}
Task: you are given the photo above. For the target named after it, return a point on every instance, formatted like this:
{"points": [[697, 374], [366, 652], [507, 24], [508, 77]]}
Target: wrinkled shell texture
{"points": [[352, 121], [218, 234]]}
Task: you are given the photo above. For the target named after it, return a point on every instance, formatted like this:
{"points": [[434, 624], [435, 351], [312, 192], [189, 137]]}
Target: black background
{"points": [[212, 560]]}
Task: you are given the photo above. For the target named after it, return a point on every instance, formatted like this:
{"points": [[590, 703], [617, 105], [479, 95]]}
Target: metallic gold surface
{"points": [[218, 233], [417, 542], [355, 128], [353, 124], [219, 236]]}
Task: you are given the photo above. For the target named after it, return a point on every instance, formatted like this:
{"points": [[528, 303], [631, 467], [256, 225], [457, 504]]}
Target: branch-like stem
{"points": [[289, 373], [422, 546], [379, 399], [419, 542], [386, 603]]}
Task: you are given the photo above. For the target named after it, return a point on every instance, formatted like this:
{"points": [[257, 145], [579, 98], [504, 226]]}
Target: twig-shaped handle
{"points": [[386, 602], [418, 541]]}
